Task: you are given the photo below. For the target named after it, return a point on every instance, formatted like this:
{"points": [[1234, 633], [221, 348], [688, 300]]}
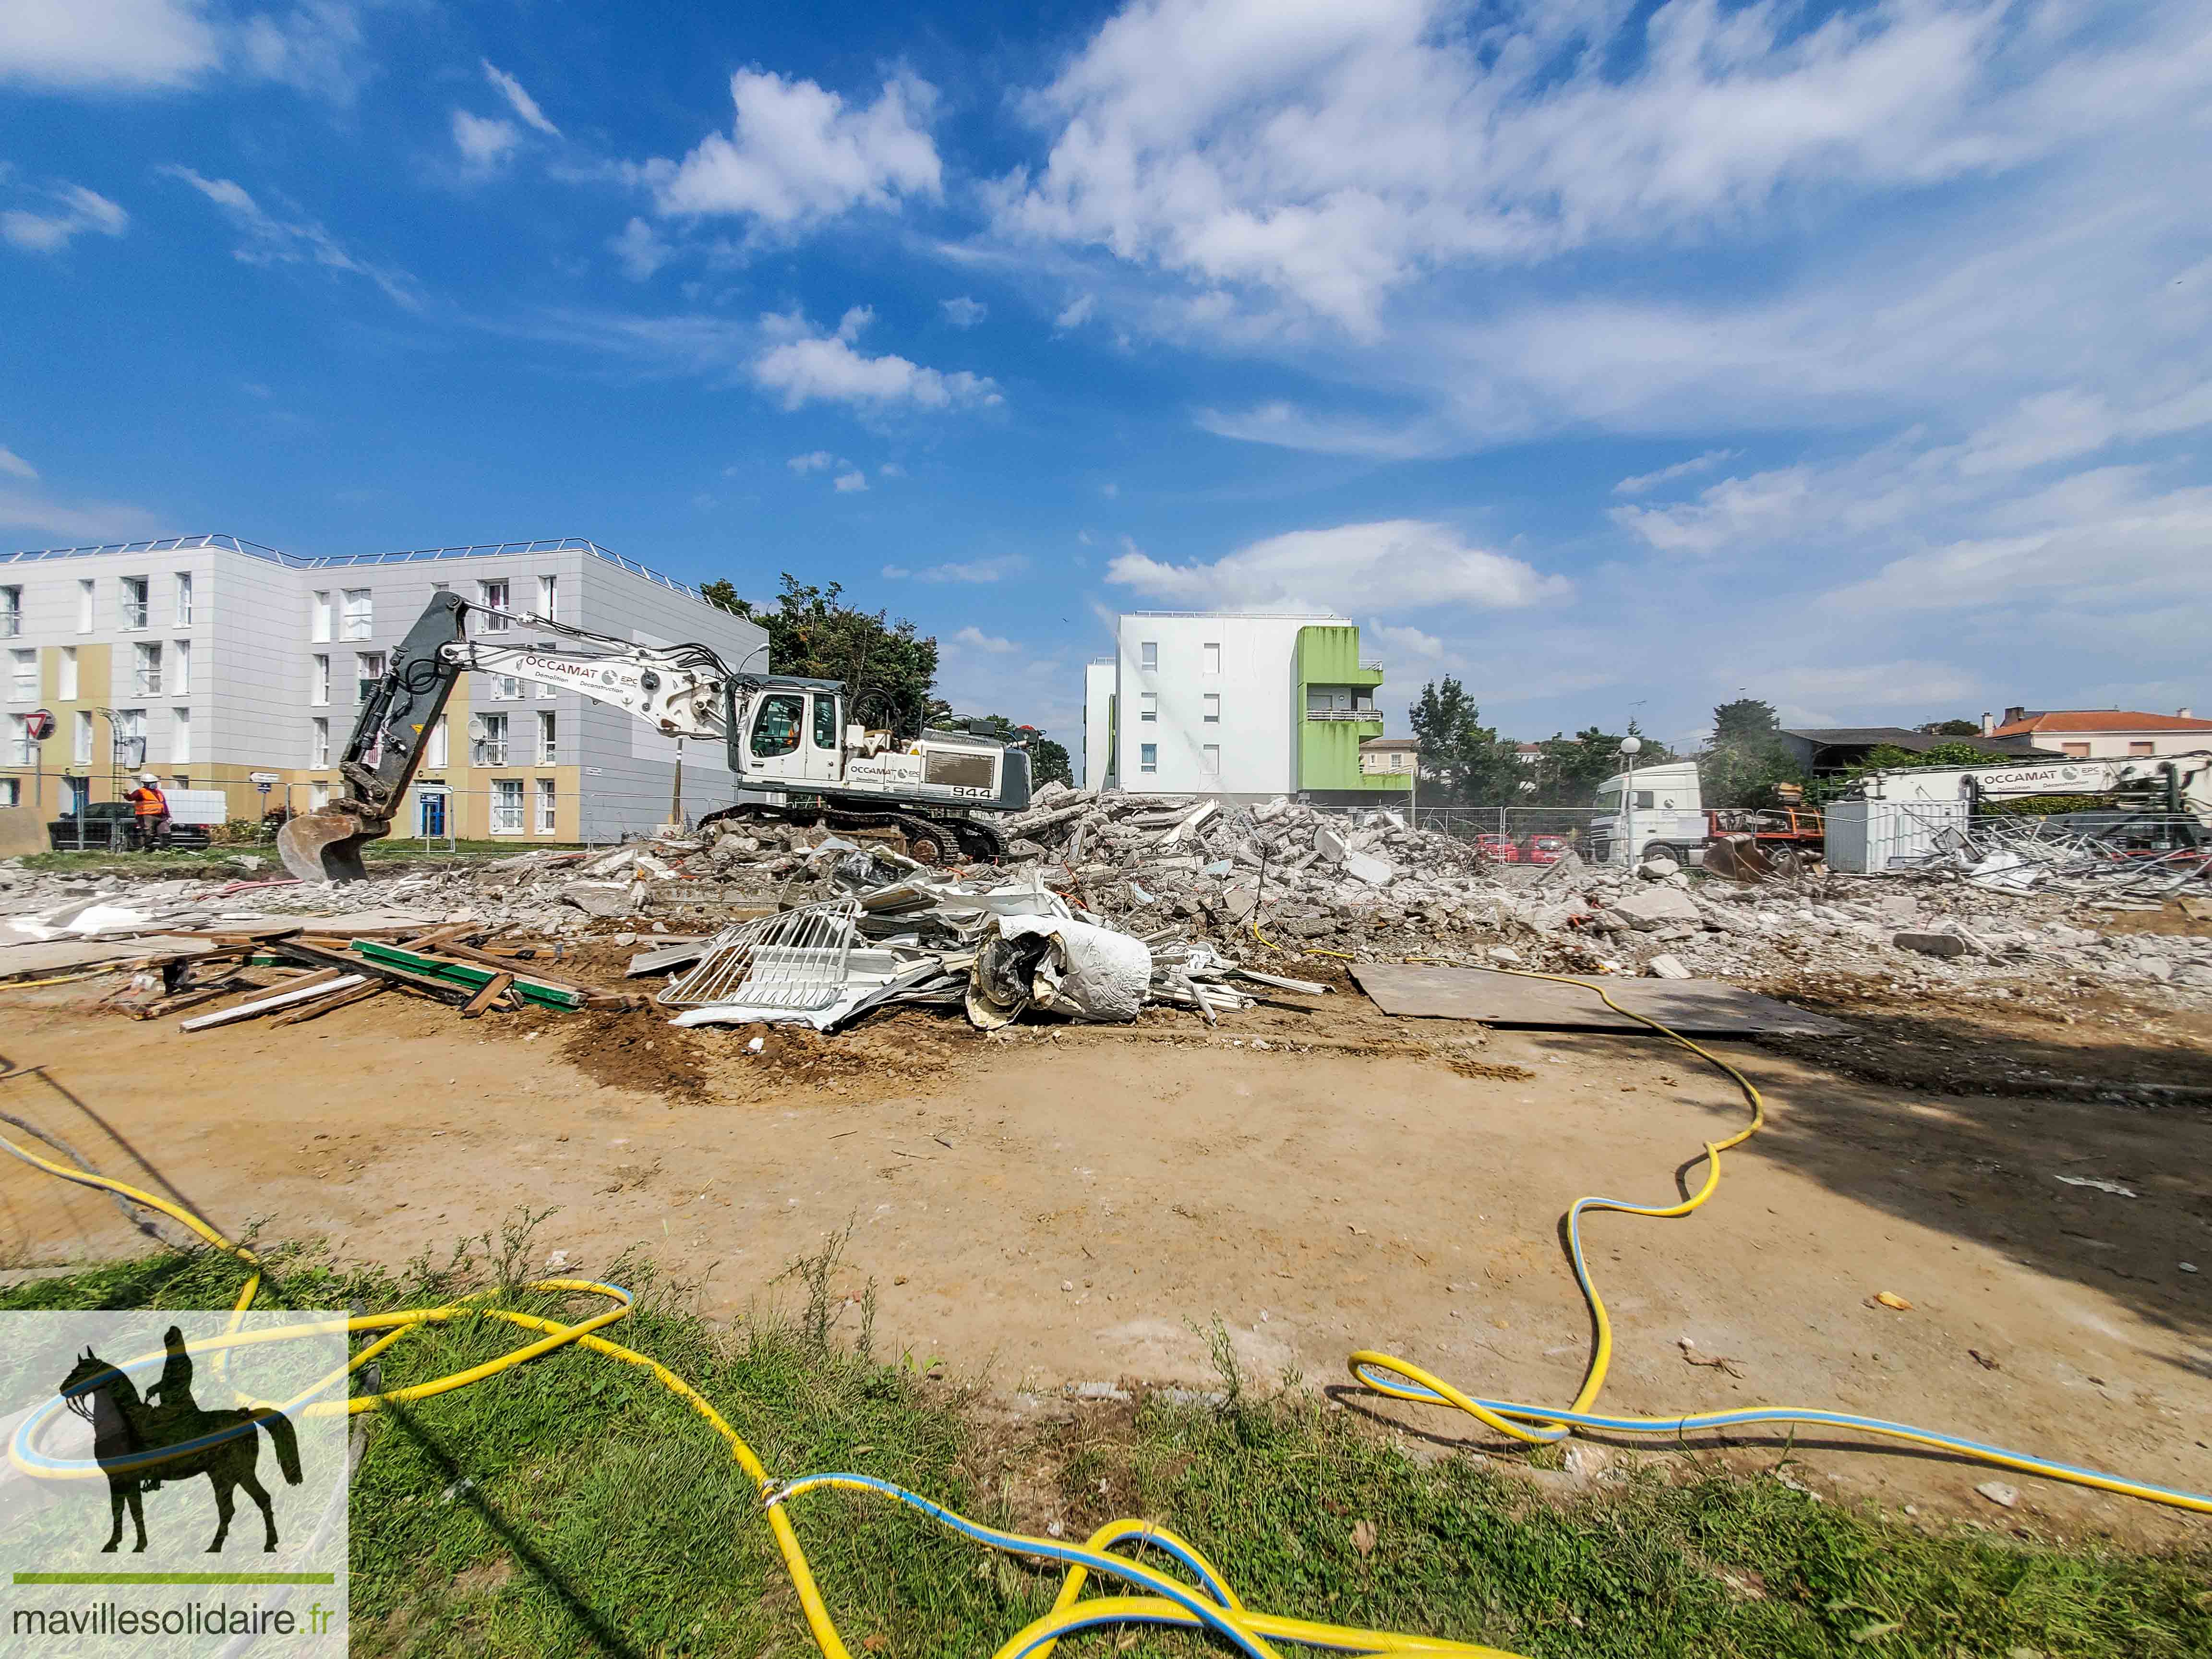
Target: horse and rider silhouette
{"points": [[141, 1445]]}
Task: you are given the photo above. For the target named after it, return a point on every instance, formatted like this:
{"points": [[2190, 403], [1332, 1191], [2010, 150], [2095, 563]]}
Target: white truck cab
{"points": [[1665, 814]]}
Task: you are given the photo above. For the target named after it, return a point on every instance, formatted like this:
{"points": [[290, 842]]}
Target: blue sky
{"points": [[1614, 355]]}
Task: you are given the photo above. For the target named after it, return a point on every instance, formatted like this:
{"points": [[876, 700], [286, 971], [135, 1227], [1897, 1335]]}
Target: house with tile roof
{"points": [[2106, 733]]}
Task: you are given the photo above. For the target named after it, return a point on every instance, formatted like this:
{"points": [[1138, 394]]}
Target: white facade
{"points": [[231, 658], [1201, 704]]}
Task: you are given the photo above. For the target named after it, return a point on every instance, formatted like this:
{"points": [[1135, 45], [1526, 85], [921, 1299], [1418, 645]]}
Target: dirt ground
{"points": [[1056, 1207]]}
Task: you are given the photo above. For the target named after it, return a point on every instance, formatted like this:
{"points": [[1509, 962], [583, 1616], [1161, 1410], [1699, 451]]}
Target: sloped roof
{"points": [[2099, 720], [1898, 736], [1384, 745]]}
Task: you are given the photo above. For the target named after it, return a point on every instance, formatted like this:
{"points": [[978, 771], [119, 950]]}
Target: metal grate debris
{"points": [[794, 961]]}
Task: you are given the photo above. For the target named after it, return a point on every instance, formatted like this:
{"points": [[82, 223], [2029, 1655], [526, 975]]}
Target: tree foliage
{"points": [[888, 668], [1048, 761], [1462, 761], [1746, 763], [1951, 729]]}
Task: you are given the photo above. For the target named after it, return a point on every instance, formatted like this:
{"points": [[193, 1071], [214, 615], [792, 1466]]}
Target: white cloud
{"points": [[851, 483], [484, 142], [30, 512], [799, 154], [1397, 564], [1333, 156], [1407, 643], [820, 461], [890, 470], [315, 47], [1644, 482], [1076, 312], [14, 465], [122, 44], [270, 240], [971, 570], [81, 210], [807, 367], [964, 312], [1807, 694], [640, 250], [976, 640], [519, 100]]}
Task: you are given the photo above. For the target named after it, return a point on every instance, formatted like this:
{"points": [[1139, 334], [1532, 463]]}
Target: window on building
{"points": [[1210, 710], [180, 737], [1148, 705], [22, 676], [318, 741], [11, 792], [1209, 759], [506, 688], [1148, 757], [548, 596], [493, 596], [130, 746], [491, 745], [1212, 653], [367, 670], [2077, 751], [84, 604], [65, 679], [548, 734], [436, 757], [11, 612], [81, 740], [146, 668], [180, 667], [319, 682], [2143, 748], [319, 620], [318, 795], [1148, 654], [548, 806], [184, 599], [135, 604], [1400, 761], [359, 613], [507, 806], [21, 751], [546, 692]]}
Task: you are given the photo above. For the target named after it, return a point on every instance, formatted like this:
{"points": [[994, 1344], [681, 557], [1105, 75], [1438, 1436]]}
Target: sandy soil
{"points": [[1061, 1208]]}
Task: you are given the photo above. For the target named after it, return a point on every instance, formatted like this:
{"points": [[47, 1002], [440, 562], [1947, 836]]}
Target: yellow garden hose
{"points": [[1543, 1425], [1160, 1598]]}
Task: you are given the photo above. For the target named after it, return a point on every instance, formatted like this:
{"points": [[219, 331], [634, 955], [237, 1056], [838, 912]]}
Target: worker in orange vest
{"points": [[151, 808]]}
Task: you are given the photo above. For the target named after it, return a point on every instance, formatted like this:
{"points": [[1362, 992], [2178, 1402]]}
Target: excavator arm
{"points": [[681, 690]]}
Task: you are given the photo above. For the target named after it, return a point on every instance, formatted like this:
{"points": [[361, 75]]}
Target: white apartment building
{"points": [[207, 659], [1245, 706]]}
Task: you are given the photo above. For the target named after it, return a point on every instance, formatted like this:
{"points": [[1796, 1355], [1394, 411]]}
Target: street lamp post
{"points": [[1629, 747]]}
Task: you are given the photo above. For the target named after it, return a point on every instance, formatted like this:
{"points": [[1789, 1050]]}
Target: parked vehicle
{"points": [[1498, 849], [1544, 849]]}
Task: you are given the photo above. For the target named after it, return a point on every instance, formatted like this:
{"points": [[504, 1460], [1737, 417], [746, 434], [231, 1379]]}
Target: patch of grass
{"points": [[215, 860], [574, 1506]]}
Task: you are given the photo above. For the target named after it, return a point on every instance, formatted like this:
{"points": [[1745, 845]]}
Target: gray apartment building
{"points": [[228, 666]]}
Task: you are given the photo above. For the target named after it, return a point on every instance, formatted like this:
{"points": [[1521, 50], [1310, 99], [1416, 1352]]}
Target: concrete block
{"points": [[1655, 908], [1667, 968], [1932, 944]]}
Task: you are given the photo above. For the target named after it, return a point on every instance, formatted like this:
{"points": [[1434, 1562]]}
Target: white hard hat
{"points": [[147, 777]]}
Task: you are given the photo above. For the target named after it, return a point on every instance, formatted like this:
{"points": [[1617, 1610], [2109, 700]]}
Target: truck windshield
{"points": [[1609, 801], [775, 728]]}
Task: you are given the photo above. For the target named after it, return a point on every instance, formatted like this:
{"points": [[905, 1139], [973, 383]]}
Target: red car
{"points": [[1498, 849], [1545, 849]]}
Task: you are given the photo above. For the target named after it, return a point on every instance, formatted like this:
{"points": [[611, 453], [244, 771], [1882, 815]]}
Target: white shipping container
{"points": [[1866, 837]]}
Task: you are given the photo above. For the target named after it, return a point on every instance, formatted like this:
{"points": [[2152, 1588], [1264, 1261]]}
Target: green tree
{"points": [[888, 668], [1951, 728], [1462, 761], [1573, 768], [1746, 762]]}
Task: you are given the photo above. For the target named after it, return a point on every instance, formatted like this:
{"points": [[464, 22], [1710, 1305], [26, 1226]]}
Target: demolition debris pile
{"points": [[1110, 903]]}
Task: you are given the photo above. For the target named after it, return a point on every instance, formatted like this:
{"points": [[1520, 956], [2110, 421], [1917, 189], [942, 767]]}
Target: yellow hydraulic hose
{"points": [[1540, 1425], [1161, 1598]]}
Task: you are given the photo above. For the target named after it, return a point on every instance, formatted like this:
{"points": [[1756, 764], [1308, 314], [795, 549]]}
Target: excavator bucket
{"points": [[325, 845]]}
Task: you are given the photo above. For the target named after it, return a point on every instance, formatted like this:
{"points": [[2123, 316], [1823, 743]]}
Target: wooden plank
{"points": [[501, 961], [1693, 1007], [462, 976], [316, 957], [317, 1009], [438, 937], [493, 989], [316, 987]]}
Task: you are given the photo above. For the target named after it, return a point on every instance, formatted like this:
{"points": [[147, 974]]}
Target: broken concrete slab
{"points": [[1695, 1007], [1934, 945], [1655, 907], [62, 955], [1666, 967]]}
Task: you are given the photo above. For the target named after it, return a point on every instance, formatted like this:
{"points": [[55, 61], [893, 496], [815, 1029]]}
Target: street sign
{"points": [[40, 724], [264, 779]]}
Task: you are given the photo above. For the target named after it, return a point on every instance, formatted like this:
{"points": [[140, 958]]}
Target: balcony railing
{"points": [[134, 613], [149, 682], [1374, 715], [491, 751], [11, 624]]}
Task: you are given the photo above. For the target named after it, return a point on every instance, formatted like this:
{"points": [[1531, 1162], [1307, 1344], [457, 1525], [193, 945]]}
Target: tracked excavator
{"points": [[792, 750]]}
